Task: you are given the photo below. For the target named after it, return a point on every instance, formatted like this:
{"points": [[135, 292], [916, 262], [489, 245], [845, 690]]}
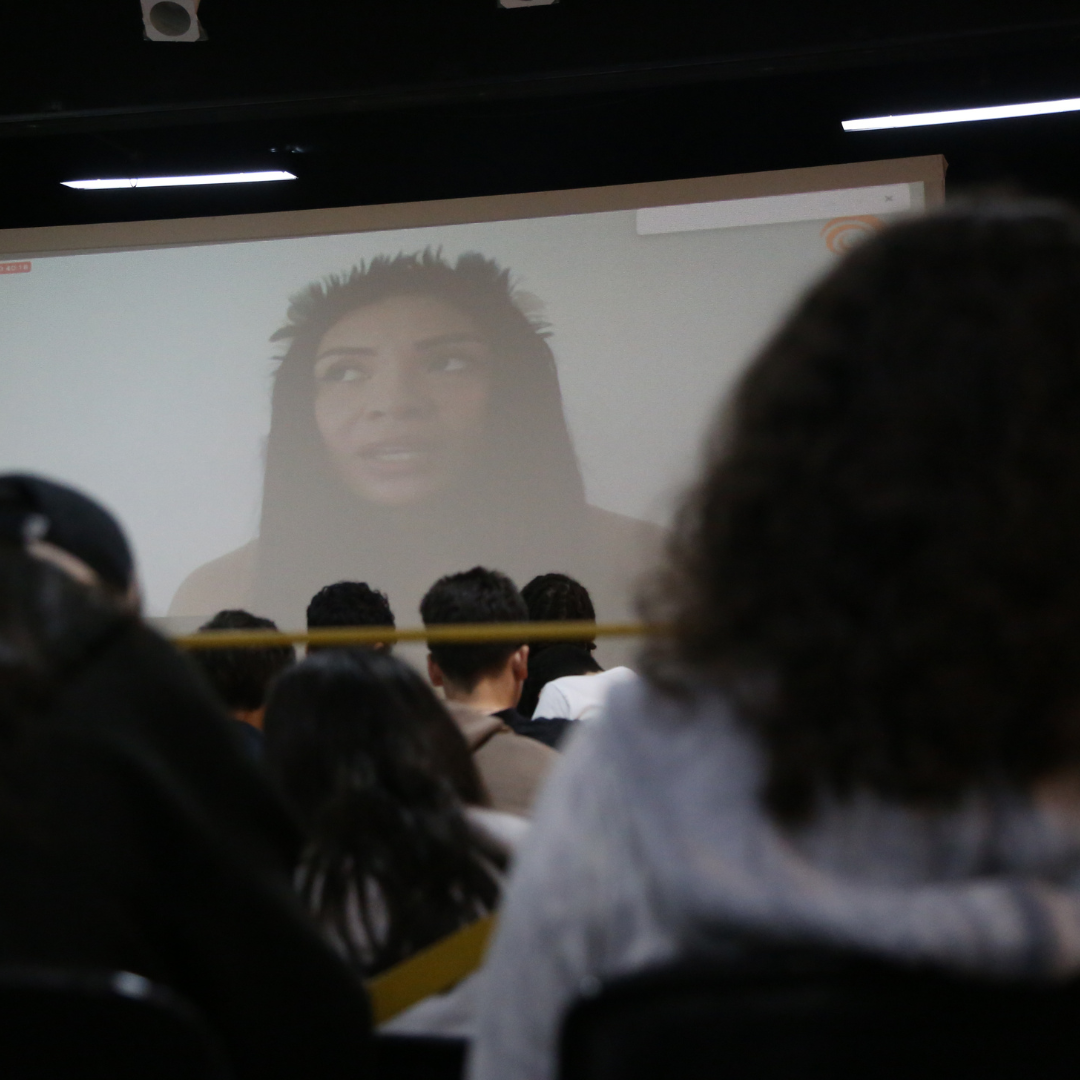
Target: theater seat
{"points": [[818, 1016], [419, 1057], [90, 1025]]}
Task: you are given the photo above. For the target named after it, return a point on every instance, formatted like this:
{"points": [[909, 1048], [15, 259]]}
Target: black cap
{"points": [[32, 508]]}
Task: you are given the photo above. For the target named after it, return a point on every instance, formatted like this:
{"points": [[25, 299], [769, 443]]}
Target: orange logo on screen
{"points": [[843, 233], [15, 268]]}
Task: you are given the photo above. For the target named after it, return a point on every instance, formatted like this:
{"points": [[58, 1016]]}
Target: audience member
{"points": [[560, 687], [241, 677], [349, 603], [580, 697], [564, 658], [483, 682], [136, 835], [863, 731], [400, 850], [556, 598]]}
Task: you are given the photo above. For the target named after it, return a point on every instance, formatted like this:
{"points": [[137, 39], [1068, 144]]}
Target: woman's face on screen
{"points": [[401, 393]]}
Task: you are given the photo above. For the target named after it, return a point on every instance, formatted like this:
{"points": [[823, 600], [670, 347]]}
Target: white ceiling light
{"points": [[960, 116], [178, 181]]}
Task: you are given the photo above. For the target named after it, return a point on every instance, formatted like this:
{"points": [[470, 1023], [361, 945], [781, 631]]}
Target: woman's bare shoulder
{"points": [[625, 537], [224, 582]]}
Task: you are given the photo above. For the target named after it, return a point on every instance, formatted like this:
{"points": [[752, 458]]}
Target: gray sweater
{"points": [[649, 843]]}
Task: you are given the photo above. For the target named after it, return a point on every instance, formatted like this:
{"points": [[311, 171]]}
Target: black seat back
{"points": [[820, 1018], [63, 1025]]}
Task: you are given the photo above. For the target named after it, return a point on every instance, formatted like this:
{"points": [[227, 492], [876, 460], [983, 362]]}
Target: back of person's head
{"points": [[879, 562], [349, 603], [367, 755], [242, 677], [59, 524], [558, 598], [67, 581], [473, 596]]}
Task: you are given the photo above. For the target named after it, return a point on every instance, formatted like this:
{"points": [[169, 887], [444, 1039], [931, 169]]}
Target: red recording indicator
{"points": [[15, 268]]}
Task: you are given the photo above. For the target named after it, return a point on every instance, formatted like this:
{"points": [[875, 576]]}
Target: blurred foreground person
{"points": [[135, 836], [400, 850], [349, 603], [483, 684], [242, 677], [864, 732]]}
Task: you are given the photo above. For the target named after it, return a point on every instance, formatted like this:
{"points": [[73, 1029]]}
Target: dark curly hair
{"points": [[349, 603], [555, 598], [881, 561]]}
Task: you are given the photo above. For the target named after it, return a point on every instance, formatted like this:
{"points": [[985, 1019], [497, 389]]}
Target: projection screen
{"points": [[274, 402]]}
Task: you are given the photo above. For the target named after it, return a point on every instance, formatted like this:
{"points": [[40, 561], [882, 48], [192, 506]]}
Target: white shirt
{"points": [[579, 697]]}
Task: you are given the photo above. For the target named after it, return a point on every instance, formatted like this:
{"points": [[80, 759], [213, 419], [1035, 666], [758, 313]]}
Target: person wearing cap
{"points": [[136, 835]]}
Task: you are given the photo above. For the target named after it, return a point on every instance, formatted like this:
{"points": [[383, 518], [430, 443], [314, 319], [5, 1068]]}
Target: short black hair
{"points": [[242, 677], [349, 603], [473, 596]]}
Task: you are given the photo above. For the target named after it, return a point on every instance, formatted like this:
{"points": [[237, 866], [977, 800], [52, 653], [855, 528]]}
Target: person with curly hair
{"points": [[863, 732], [416, 426]]}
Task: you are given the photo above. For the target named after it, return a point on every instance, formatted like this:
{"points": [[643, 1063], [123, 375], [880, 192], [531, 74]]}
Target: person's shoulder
{"points": [[610, 528], [225, 582], [524, 747]]}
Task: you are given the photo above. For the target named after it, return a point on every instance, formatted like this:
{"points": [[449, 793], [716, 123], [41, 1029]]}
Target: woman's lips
{"points": [[397, 455]]}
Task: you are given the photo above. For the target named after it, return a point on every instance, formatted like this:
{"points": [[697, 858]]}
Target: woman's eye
{"points": [[449, 364], [343, 373]]}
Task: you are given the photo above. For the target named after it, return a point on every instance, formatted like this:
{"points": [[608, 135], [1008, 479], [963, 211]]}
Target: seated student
{"points": [[561, 686], [241, 677], [401, 851], [136, 835], [482, 684], [862, 732], [349, 603], [556, 598], [580, 697]]}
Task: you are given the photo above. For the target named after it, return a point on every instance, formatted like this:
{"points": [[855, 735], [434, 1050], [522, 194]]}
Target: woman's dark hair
{"points": [[881, 561], [360, 745], [527, 476]]}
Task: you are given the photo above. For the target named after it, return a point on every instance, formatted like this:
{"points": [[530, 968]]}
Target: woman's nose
{"points": [[392, 394]]}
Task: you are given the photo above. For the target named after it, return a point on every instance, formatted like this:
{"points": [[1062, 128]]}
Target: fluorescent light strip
{"points": [[178, 181], [960, 116]]}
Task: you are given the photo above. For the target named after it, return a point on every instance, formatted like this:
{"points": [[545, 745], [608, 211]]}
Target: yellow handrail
{"points": [[457, 634], [430, 971]]}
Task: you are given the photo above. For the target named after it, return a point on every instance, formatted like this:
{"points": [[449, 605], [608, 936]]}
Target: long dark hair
{"points": [[361, 746], [881, 561], [525, 495]]}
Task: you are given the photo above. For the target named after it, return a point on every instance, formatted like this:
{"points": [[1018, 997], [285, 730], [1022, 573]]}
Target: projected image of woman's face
{"points": [[401, 393]]}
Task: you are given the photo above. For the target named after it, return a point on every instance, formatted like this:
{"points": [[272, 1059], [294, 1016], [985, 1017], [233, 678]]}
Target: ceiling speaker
{"points": [[171, 20]]}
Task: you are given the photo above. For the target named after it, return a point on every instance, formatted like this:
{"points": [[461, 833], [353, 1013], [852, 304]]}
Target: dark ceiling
{"points": [[412, 99]]}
